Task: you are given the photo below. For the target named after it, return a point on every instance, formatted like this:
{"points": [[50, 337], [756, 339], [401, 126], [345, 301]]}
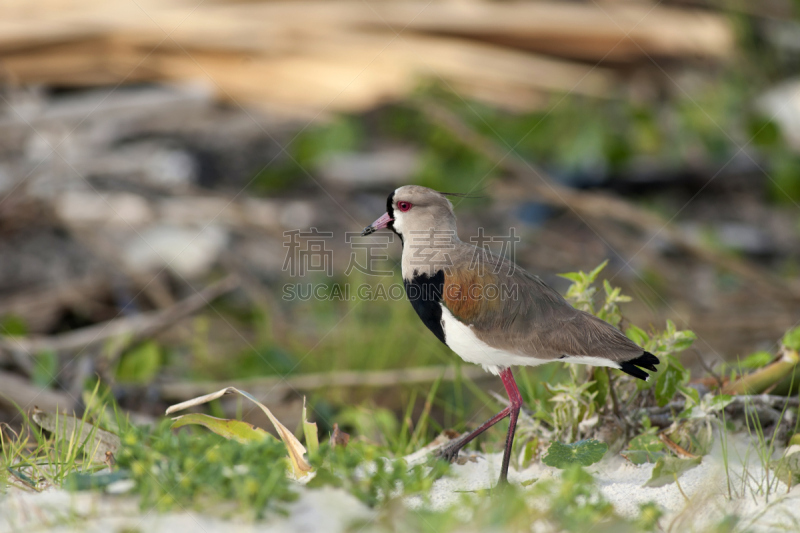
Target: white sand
{"points": [[326, 510], [621, 483], [333, 510]]}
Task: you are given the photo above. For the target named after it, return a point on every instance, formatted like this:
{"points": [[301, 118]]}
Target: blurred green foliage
{"points": [[45, 368], [325, 335], [141, 364], [13, 326]]}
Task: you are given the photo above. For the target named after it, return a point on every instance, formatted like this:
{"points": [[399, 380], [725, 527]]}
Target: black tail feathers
{"points": [[647, 361]]}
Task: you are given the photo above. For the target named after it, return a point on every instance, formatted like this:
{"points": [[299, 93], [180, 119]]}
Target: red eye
{"points": [[403, 206]]}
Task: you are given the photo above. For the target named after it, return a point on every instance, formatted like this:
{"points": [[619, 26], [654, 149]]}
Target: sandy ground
{"points": [[333, 510]]}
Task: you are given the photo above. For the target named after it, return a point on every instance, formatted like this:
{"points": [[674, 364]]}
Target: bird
{"points": [[491, 312]]}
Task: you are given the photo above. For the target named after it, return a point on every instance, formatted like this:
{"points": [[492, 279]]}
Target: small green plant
{"points": [[368, 472], [584, 453], [200, 470], [582, 294], [572, 408]]}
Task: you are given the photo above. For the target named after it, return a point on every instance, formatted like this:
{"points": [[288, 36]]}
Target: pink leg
{"points": [[515, 399], [516, 404]]}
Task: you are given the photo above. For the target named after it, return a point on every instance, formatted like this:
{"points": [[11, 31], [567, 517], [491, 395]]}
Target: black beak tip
{"points": [[369, 230]]}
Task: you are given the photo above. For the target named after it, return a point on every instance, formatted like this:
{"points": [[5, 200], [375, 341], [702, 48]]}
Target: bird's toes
{"points": [[448, 453]]}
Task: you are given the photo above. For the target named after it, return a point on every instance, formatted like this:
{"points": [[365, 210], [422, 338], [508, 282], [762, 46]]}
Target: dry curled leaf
{"points": [[300, 467]]}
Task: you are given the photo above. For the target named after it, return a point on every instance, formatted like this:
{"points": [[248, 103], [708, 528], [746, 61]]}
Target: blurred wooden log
{"points": [[300, 58], [341, 72], [589, 31], [86, 62]]}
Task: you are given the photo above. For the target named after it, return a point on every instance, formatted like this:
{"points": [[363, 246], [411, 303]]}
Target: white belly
{"points": [[461, 339]]}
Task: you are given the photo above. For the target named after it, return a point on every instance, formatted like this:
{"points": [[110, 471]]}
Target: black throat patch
{"points": [[425, 294], [390, 212]]}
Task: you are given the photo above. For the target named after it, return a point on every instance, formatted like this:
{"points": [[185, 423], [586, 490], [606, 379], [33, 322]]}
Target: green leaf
{"points": [[692, 395], [572, 276], [310, 432], [45, 368], [756, 360], [640, 457], [646, 442], [719, 402], [584, 452], [611, 293], [237, 430], [668, 469], [300, 466], [141, 364], [85, 481], [667, 383], [637, 335], [683, 340], [792, 339], [593, 274]]}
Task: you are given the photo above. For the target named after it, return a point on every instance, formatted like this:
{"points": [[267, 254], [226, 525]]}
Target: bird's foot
{"points": [[450, 452]]}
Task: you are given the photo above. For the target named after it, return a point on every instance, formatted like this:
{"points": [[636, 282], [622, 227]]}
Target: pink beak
{"points": [[378, 224]]}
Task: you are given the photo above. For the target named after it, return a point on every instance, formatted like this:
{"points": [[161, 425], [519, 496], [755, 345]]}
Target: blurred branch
{"points": [[765, 406], [764, 377], [142, 325], [281, 386], [18, 391], [533, 182]]}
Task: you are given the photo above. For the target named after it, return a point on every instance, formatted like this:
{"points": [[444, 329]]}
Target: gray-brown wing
{"points": [[523, 315]]}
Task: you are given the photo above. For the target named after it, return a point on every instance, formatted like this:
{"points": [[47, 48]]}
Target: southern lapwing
{"points": [[491, 312]]}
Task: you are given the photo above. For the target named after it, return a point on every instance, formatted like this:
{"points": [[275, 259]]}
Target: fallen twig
{"points": [[769, 400], [764, 406], [675, 447]]}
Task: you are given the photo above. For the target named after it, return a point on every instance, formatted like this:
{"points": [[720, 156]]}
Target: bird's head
{"points": [[412, 209]]}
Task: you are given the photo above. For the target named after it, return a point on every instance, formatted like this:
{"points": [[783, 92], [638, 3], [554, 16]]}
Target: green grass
{"points": [[34, 459]]}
